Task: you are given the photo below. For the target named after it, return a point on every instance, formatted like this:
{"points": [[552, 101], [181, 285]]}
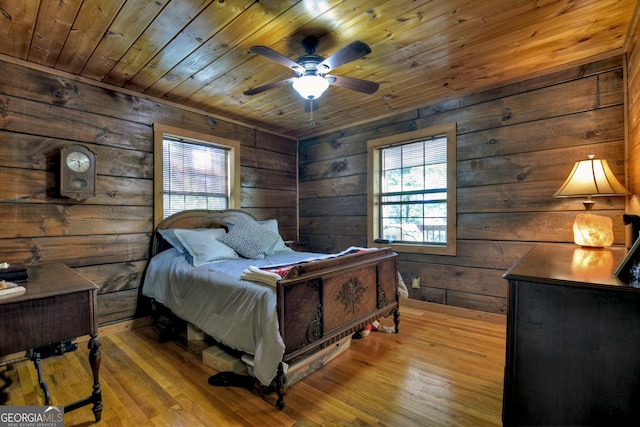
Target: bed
{"points": [[305, 303]]}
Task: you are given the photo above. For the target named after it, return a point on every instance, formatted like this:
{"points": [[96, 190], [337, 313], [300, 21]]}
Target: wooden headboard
{"points": [[197, 218]]}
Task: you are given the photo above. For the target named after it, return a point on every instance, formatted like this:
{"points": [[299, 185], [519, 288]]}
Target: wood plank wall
{"points": [[106, 238], [633, 116], [516, 145]]}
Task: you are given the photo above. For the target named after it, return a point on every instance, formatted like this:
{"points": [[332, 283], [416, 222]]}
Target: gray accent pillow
{"points": [[249, 239], [271, 225]]}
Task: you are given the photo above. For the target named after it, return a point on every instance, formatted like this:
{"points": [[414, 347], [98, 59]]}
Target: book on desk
{"points": [[14, 272]]}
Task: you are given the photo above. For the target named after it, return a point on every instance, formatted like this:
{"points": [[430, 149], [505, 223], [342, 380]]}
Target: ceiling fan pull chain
{"points": [[311, 121]]}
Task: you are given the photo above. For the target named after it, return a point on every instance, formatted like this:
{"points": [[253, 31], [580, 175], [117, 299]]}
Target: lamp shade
{"points": [[592, 177], [310, 86]]}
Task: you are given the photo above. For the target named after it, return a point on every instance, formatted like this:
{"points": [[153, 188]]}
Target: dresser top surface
{"points": [[570, 265]]}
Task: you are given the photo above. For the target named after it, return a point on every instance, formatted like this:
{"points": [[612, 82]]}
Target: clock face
{"points": [[78, 161]]}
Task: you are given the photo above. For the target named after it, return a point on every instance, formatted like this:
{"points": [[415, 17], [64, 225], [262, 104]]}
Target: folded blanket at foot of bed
{"points": [[255, 274]]}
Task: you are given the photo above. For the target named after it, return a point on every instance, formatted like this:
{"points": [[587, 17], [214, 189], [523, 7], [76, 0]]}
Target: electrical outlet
{"points": [[415, 282]]}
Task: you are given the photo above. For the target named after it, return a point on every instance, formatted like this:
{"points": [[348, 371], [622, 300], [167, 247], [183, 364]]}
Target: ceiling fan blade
{"points": [[311, 104], [268, 86], [351, 52], [364, 86], [277, 57]]}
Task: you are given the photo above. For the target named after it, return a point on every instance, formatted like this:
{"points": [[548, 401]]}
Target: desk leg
{"points": [[96, 395], [35, 357], [94, 360]]}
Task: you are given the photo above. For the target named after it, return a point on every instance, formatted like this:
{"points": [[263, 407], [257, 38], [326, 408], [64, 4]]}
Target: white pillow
{"points": [[203, 246], [169, 234], [249, 239], [272, 226], [279, 246]]}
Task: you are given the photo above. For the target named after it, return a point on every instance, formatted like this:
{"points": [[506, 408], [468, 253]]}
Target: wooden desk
{"points": [[573, 334], [59, 305]]}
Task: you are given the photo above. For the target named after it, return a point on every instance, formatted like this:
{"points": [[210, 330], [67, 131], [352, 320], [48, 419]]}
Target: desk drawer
{"points": [[37, 322]]}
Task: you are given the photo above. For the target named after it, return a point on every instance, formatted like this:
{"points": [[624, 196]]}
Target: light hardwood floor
{"points": [[441, 370]]}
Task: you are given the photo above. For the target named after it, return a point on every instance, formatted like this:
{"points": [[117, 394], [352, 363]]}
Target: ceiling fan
{"points": [[311, 70]]}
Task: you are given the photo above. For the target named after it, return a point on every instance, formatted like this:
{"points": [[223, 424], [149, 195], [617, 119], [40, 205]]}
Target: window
{"points": [[194, 171], [412, 191]]}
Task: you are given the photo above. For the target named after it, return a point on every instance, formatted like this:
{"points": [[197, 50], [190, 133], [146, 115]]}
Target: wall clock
{"points": [[77, 172]]}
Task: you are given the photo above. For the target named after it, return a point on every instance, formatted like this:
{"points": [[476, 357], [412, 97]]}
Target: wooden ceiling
{"points": [[196, 52]]}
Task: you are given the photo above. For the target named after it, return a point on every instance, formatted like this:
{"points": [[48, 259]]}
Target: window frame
{"points": [[160, 132], [374, 148]]}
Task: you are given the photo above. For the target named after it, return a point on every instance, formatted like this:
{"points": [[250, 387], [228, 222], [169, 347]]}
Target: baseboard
{"points": [[114, 328], [454, 311]]}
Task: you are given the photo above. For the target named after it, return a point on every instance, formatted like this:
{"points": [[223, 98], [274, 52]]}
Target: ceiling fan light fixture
{"points": [[310, 86]]}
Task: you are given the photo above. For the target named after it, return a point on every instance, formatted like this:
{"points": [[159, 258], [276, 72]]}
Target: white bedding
{"points": [[235, 312]]}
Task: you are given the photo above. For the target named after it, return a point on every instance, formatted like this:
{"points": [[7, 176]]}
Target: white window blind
{"points": [[413, 193], [195, 176]]}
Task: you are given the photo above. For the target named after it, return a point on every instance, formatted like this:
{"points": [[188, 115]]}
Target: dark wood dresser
{"points": [[59, 305], [573, 340]]}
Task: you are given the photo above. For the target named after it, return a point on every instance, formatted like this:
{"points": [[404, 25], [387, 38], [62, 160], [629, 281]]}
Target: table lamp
{"points": [[590, 178]]}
